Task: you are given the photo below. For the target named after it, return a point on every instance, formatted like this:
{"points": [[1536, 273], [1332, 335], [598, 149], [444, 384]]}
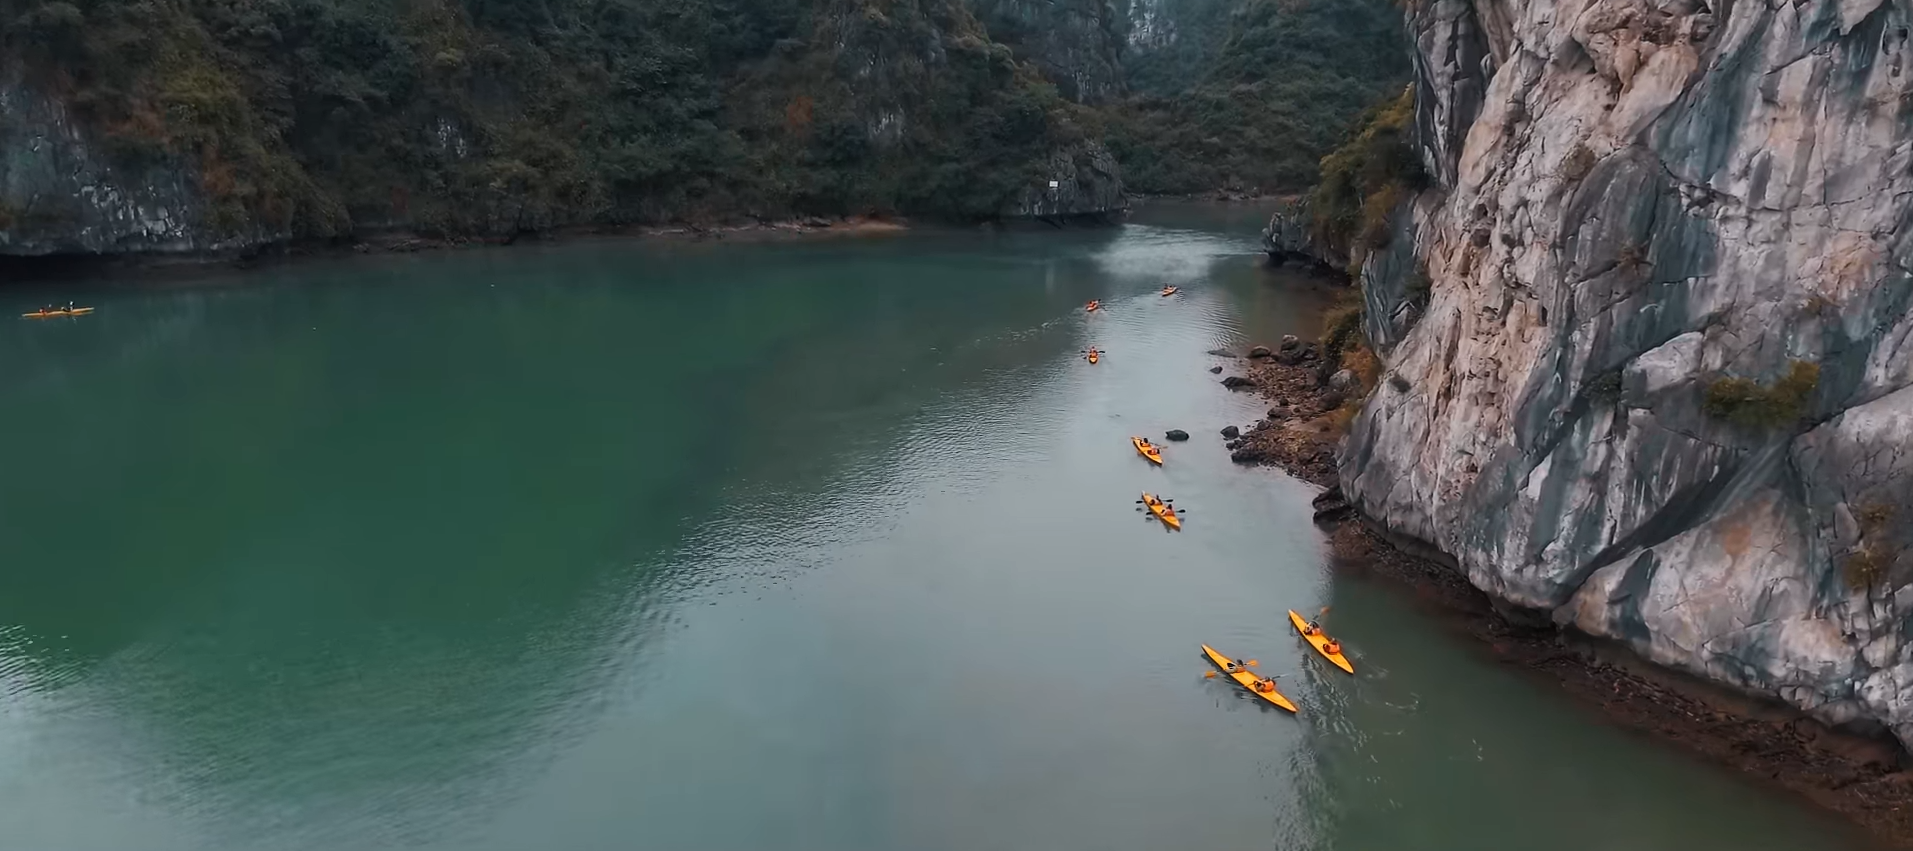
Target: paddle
{"points": [[1251, 663]]}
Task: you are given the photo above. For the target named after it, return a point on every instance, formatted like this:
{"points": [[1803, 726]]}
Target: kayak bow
{"points": [[1162, 510], [1319, 642], [1147, 450], [1246, 679]]}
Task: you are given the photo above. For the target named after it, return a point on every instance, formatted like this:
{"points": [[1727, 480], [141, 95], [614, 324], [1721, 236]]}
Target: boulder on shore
{"points": [[1176, 434], [1343, 381], [1259, 352], [1231, 432], [1290, 343], [1236, 382]]}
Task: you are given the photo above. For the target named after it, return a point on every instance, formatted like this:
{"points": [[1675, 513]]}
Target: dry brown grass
{"points": [[1362, 361]]}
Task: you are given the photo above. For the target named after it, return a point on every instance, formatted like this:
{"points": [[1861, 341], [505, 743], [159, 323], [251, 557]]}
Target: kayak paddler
{"points": [[1265, 685], [1332, 647]]}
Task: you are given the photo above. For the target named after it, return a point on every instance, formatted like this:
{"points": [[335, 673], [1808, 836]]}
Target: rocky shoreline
{"points": [[1860, 778], [400, 241]]}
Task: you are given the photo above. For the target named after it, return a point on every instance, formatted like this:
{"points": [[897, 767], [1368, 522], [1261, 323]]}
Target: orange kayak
{"points": [[1148, 450], [1169, 291], [1246, 679], [1091, 307], [1321, 642], [54, 314], [1094, 355], [1163, 511]]}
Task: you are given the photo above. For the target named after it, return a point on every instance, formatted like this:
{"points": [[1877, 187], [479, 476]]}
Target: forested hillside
{"points": [[190, 124], [1251, 94]]}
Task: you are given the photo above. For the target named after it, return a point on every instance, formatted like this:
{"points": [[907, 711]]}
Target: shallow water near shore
{"points": [[825, 545]]}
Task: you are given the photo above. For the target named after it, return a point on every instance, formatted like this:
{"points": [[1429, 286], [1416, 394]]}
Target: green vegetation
{"points": [[1263, 94], [1345, 346], [501, 115], [1341, 329], [1747, 403], [1364, 180]]}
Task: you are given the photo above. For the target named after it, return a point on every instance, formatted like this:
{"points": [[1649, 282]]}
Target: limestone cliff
{"points": [[1657, 383], [59, 195]]}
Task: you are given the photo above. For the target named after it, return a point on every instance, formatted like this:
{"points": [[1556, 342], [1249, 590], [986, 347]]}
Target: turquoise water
{"points": [[766, 545]]}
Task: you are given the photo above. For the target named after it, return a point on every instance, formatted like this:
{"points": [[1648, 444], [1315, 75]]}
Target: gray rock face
{"points": [[1286, 239], [1083, 182], [59, 194], [1632, 200]]}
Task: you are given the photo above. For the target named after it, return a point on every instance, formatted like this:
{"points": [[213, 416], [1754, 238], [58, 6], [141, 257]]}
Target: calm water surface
{"points": [[821, 545]]}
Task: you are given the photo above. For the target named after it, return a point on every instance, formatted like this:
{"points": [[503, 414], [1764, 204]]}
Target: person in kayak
{"points": [[1237, 667], [1332, 647], [1265, 685]]}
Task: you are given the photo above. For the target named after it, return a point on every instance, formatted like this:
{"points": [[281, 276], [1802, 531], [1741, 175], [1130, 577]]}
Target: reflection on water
{"points": [[814, 545]]}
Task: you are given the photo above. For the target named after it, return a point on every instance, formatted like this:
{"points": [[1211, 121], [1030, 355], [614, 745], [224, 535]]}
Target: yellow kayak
{"points": [[1147, 450], [1162, 510], [1320, 642], [1094, 355], [1246, 679], [53, 314], [1168, 291]]}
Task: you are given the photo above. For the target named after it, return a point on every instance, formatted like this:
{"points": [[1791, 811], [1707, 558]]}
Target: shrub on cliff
{"points": [[1869, 562], [1748, 403], [1364, 180]]}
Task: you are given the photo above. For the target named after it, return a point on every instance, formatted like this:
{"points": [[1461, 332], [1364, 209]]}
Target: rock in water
{"points": [[1289, 343], [1259, 352], [1561, 426], [1237, 382], [1215, 370], [1231, 432], [1175, 434]]}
